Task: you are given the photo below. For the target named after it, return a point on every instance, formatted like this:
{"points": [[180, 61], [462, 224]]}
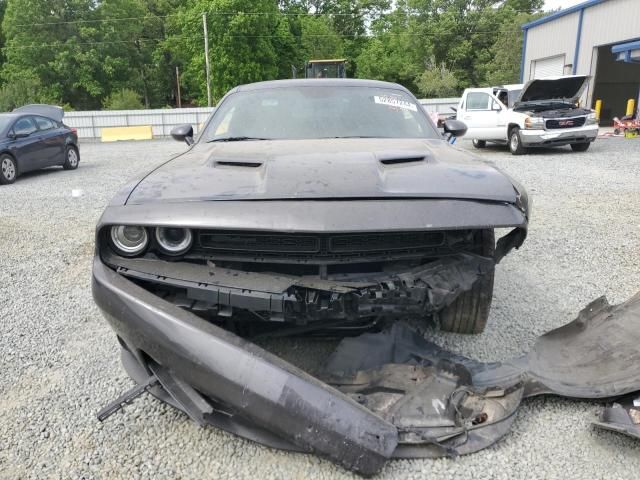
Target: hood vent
{"points": [[231, 163], [400, 160]]}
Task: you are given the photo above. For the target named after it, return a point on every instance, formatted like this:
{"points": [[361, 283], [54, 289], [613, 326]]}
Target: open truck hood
{"points": [[566, 89]]}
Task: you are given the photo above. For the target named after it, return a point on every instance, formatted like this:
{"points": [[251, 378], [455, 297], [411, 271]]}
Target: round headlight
{"points": [[129, 240], [174, 240]]}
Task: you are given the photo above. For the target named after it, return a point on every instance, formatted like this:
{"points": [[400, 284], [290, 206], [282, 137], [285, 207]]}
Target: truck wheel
{"points": [[470, 311], [515, 142], [580, 147], [479, 143]]}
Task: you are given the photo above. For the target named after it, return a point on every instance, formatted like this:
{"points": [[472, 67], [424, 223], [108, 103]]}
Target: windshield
{"points": [[513, 96], [314, 112]]}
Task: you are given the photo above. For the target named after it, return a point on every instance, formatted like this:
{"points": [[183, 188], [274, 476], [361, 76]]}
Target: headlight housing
{"points": [[592, 119], [174, 240], [536, 123], [129, 240]]}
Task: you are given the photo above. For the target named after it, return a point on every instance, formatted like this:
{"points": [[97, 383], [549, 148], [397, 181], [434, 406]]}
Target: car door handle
{"points": [[467, 117]]}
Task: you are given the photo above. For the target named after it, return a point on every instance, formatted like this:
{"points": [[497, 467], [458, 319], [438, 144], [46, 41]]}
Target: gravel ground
{"points": [[59, 359]]}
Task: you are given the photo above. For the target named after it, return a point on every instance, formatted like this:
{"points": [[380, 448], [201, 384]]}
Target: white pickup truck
{"points": [[541, 113]]}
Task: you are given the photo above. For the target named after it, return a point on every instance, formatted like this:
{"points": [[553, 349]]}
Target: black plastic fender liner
{"points": [[258, 386]]}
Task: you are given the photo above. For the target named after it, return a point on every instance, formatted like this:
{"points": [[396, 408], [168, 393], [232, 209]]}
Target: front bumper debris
{"points": [[546, 138], [414, 292], [386, 395]]}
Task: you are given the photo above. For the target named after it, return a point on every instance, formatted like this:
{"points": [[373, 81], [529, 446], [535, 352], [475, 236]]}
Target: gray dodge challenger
{"points": [[301, 207]]}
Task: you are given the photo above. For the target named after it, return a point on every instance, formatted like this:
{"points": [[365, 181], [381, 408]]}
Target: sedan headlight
{"points": [[592, 119], [129, 240], [536, 123], [174, 240]]}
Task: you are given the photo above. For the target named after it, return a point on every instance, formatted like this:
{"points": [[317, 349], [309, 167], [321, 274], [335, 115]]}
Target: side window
{"points": [[478, 101], [24, 126], [44, 123]]}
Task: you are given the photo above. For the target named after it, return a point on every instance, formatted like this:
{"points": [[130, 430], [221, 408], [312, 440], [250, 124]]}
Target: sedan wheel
{"points": [[8, 170], [72, 158]]}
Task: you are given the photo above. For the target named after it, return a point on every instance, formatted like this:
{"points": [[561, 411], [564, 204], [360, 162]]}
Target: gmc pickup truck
{"points": [[541, 113]]}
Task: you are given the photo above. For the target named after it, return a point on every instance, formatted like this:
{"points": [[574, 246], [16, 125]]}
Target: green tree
{"points": [[242, 46], [395, 53], [123, 99], [43, 41], [28, 90], [437, 81]]}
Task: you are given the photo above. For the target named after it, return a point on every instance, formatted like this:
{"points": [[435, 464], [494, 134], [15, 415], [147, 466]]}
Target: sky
{"points": [[554, 4]]}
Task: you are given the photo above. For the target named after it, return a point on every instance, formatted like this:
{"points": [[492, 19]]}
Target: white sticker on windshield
{"points": [[395, 102]]}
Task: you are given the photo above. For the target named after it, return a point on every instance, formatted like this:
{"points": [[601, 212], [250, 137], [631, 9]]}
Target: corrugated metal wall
{"points": [[90, 123], [551, 39], [615, 21], [606, 23]]}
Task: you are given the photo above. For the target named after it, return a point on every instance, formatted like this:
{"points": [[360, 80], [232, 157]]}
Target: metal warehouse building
{"points": [[600, 38]]}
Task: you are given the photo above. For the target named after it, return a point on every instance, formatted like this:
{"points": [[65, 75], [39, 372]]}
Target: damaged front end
{"points": [[184, 305], [383, 395]]}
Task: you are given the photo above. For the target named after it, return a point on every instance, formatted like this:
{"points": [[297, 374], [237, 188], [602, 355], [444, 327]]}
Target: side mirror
{"points": [[455, 128], [19, 135], [183, 133]]}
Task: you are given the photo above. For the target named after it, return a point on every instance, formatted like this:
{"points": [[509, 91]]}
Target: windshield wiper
{"points": [[236, 139], [357, 136]]}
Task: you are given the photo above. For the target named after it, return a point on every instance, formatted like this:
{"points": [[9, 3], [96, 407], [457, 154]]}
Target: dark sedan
{"points": [[34, 137]]}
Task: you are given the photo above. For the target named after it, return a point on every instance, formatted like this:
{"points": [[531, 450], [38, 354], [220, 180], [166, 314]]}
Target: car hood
{"points": [[323, 169], [566, 89]]}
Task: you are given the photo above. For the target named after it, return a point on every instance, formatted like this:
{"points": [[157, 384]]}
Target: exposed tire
{"points": [[580, 147], [470, 311], [8, 169], [71, 158], [479, 143], [515, 142]]}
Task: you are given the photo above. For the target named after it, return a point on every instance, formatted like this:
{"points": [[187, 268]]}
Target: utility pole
{"points": [[206, 58], [178, 83]]}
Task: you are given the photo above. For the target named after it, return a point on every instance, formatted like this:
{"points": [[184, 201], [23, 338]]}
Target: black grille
{"points": [[565, 123], [260, 243], [254, 246], [371, 242]]}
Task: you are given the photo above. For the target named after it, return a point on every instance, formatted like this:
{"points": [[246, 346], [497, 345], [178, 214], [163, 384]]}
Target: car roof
{"points": [[317, 82]]}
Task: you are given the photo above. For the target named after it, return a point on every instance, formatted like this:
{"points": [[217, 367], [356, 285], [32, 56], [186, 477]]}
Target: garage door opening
{"points": [[548, 67], [615, 83]]}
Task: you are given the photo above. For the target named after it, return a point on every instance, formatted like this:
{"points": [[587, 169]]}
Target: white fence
{"points": [[439, 105], [91, 123]]}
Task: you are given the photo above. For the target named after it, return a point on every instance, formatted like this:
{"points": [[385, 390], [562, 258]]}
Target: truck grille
{"points": [[565, 123], [254, 246]]}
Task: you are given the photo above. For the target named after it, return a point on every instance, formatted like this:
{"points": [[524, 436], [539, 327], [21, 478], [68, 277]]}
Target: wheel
{"points": [[470, 311], [515, 142], [580, 147], [479, 143], [71, 158], [616, 131], [8, 169]]}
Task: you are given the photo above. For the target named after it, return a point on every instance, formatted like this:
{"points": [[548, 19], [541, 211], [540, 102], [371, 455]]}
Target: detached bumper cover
{"points": [[421, 401], [541, 138], [254, 384]]}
